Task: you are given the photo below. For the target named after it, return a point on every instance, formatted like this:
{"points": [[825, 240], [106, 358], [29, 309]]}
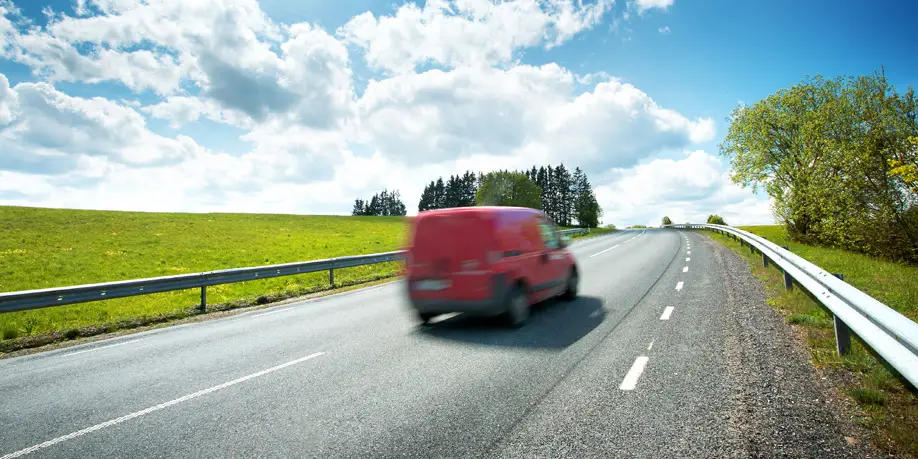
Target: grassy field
{"points": [[888, 408], [42, 248]]}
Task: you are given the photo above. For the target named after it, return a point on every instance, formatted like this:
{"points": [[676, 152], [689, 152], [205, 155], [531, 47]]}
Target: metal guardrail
{"points": [[891, 335], [34, 299]]}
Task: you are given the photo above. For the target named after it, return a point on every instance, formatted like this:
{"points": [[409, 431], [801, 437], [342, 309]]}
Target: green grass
{"points": [[42, 248], [889, 408]]}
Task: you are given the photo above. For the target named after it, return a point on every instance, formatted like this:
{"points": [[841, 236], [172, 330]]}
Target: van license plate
{"points": [[429, 285]]}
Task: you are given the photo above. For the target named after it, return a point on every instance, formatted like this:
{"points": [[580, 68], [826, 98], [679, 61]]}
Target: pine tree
{"points": [[373, 206], [396, 206], [562, 196], [439, 194], [358, 208], [383, 203], [549, 198], [453, 192], [577, 180], [588, 210], [426, 202], [468, 188]]}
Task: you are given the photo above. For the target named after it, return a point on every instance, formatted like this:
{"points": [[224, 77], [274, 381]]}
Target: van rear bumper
{"points": [[491, 306]]}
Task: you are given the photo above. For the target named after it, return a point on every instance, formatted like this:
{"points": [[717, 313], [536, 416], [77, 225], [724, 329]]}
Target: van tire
{"points": [[573, 281], [517, 311]]}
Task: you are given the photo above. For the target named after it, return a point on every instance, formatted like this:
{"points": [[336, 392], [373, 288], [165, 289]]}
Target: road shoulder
{"points": [[781, 402]]}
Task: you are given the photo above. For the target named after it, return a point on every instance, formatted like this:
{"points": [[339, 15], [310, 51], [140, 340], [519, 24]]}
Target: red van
{"points": [[487, 261]]}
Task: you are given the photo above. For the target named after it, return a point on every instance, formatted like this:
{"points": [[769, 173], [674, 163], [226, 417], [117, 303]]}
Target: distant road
{"points": [[669, 352]]}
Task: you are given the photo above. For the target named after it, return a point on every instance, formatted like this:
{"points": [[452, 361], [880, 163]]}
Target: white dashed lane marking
{"points": [[667, 312], [631, 379], [102, 347], [604, 251]]}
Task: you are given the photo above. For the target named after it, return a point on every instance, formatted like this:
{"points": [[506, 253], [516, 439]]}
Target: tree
{"points": [[834, 155], [439, 194], [384, 203], [586, 207], [505, 188], [469, 188], [548, 193], [428, 200], [667, 221], [359, 207], [564, 201], [716, 220]]}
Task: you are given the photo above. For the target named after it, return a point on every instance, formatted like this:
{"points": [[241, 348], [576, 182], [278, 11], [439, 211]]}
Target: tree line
{"points": [[384, 203], [839, 158], [566, 197]]}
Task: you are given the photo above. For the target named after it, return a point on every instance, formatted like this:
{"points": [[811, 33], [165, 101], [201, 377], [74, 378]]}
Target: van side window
{"points": [[549, 236]]}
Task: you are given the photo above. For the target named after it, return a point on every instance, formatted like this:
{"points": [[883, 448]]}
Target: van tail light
{"points": [[494, 257]]}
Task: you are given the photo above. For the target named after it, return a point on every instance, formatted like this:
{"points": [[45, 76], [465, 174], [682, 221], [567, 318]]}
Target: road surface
{"points": [[669, 352]]}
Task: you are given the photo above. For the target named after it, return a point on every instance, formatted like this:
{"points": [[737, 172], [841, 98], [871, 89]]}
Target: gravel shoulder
{"points": [[782, 405]]}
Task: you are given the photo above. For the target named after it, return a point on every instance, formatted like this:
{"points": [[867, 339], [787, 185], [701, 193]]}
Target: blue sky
{"points": [[211, 119]]}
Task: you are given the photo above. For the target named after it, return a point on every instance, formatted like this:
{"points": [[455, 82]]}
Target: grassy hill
{"points": [[41, 248]]}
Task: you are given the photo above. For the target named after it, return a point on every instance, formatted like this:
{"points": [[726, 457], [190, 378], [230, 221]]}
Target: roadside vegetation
{"points": [[43, 248], [886, 406], [839, 158]]}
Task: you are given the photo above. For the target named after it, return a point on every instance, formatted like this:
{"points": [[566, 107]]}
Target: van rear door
{"points": [[449, 248]]}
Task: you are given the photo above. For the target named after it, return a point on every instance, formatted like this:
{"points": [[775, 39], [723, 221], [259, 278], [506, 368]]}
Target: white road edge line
{"points": [[271, 312], [634, 373], [102, 347], [688, 259], [667, 312], [367, 290], [650, 346], [679, 286], [137, 414], [604, 251], [685, 269]]}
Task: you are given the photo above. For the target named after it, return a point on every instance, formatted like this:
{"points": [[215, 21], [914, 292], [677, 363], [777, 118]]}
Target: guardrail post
{"points": [[331, 274], [764, 260], [203, 305], [842, 331], [788, 281]]}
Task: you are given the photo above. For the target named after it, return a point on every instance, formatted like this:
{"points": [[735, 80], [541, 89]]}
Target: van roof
{"points": [[478, 209]]}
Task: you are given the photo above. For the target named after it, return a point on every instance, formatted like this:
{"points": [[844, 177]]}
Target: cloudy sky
{"points": [[301, 106]]}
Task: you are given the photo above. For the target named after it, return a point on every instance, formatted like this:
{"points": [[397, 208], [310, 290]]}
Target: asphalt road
{"points": [[668, 352]]}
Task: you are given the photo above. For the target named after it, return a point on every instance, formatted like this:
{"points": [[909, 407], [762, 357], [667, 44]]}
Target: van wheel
{"points": [[517, 308], [570, 293]]}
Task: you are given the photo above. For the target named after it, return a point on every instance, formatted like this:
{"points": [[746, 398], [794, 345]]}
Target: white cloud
{"points": [[686, 190], [9, 102], [644, 5], [439, 116], [314, 145], [52, 129], [664, 30], [228, 51], [456, 33], [7, 28]]}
